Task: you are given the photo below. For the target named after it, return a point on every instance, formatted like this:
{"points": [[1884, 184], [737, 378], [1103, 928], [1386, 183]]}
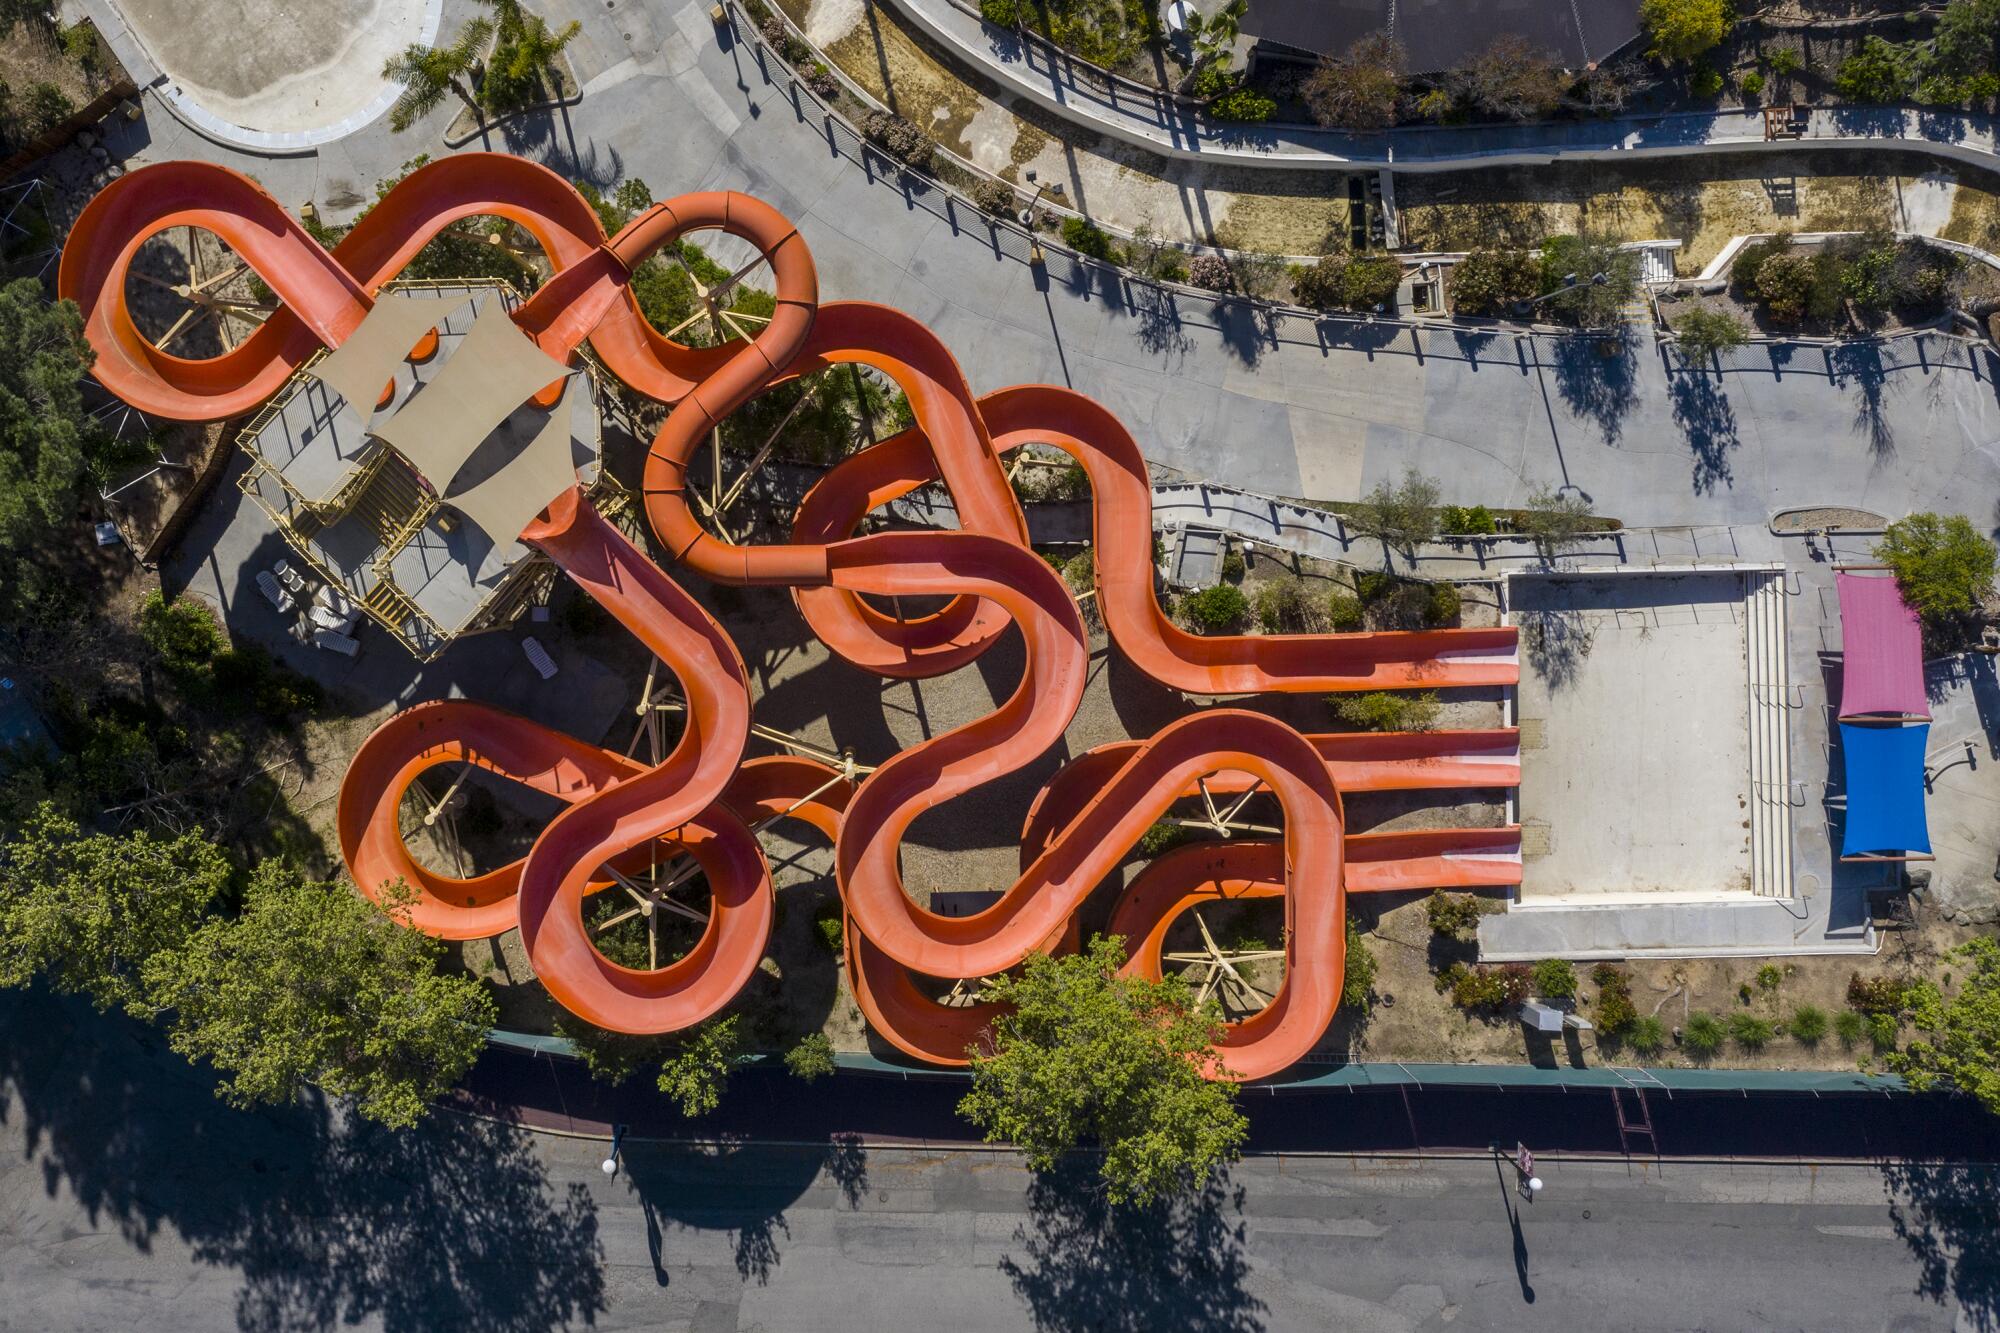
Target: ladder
{"points": [[1635, 1118]]}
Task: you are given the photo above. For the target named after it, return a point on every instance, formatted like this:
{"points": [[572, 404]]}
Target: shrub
{"points": [[1242, 104], [1784, 60], [1216, 610], [1212, 272], [1795, 287], [1648, 1035], [1943, 564], [1703, 1036], [1403, 514], [1443, 606], [1453, 915], [1808, 1024], [1163, 837], [1680, 29], [1359, 981], [812, 1059], [1004, 13], [1704, 82], [1882, 1032], [45, 107], [1467, 521], [1491, 282], [1087, 238], [1345, 613], [1318, 287], [1875, 995], [1850, 1025], [832, 929], [183, 632], [1555, 979], [1234, 566], [1488, 990], [1702, 335], [1750, 1031], [1751, 83], [1383, 711], [1287, 607], [1360, 88], [1370, 280], [821, 81], [1749, 262], [1770, 977], [898, 138], [1615, 1014], [1878, 72]]}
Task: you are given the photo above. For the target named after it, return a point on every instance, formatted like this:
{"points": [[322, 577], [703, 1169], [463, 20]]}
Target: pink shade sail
{"points": [[1882, 674]]}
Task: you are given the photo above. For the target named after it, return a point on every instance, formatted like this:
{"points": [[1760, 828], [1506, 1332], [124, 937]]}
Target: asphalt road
{"points": [[131, 1199]]}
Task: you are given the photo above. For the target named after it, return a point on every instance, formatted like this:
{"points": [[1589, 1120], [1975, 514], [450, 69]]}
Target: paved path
{"points": [[131, 1199], [1000, 61]]}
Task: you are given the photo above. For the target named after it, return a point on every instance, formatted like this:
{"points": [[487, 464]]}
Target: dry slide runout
{"points": [[705, 800]]}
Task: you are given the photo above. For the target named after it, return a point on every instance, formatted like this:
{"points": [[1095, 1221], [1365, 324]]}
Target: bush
{"points": [[1555, 979], [821, 81], [1216, 610], [183, 632], [1808, 1024], [1943, 564], [1382, 711], [1702, 335], [899, 139], [1345, 613], [1212, 272], [1403, 514], [1750, 1031], [992, 197], [1487, 990], [1588, 304], [1004, 13], [1751, 83], [1453, 915], [1163, 837], [1882, 1032], [1243, 105], [45, 107], [1359, 981], [1875, 995], [1614, 1011], [812, 1059], [1770, 977], [1491, 282], [1467, 521], [1704, 82], [1087, 238], [1850, 1025], [1287, 607], [1443, 605], [1648, 1035], [1797, 287], [1784, 60], [1878, 72], [1319, 286], [1234, 566], [1703, 1036], [1749, 262], [1680, 29], [830, 921]]}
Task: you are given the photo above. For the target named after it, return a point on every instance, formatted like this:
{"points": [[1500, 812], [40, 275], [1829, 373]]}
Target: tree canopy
{"points": [[47, 440], [1359, 89], [1942, 563], [1682, 29], [87, 911], [696, 1074], [1960, 1045], [314, 984], [1085, 1055]]}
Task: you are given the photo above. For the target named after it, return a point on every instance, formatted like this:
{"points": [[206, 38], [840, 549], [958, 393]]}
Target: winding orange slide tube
{"points": [[705, 799]]}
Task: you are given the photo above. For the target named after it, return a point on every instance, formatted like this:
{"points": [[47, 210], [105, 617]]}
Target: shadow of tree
{"points": [[1945, 1211], [331, 1222], [1703, 412], [1088, 1265], [1160, 329], [1861, 363], [1556, 642], [1597, 375]]}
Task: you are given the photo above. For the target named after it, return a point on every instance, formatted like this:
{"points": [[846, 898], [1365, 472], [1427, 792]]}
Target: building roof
{"points": [[1882, 667], [1444, 34], [1885, 789]]}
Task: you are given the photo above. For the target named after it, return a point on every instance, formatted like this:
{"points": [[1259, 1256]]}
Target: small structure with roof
{"points": [[1884, 719], [403, 465]]}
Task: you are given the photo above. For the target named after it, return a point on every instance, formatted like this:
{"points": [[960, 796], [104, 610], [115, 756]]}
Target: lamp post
{"points": [[1569, 284], [610, 1163]]}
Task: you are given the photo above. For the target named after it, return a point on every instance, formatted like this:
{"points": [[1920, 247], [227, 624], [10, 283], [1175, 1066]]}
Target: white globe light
{"points": [[1534, 1184], [610, 1167]]}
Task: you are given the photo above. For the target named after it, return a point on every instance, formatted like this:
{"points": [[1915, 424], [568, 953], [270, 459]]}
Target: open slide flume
{"points": [[704, 801]]}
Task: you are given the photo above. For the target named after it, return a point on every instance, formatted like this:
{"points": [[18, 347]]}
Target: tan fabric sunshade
{"points": [[501, 505], [359, 367], [493, 371]]}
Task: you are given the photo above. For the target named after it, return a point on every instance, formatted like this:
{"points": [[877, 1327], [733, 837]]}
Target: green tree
{"points": [[1683, 29], [85, 911], [1511, 79], [1878, 72], [47, 440], [1589, 278], [812, 1059], [695, 1076], [1553, 521], [1359, 89], [1212, 37], [315, 984], [1958, 1041], [430, 74], [522, 69], [1703, 335], [1492, 282], [1084, 1054], [1942, 563], [1403, 514]]}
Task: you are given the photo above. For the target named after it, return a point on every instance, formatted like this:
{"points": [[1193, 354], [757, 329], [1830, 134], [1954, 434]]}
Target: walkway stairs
{"points": [[1770, 736]]}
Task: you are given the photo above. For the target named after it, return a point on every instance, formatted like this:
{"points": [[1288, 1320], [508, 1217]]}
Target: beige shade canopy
{"points": [[503, 503], [493, 371], [359, 367]]}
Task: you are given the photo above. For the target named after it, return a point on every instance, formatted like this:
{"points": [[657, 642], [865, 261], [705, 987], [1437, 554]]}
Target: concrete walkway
{"points": [[1143, 119]]}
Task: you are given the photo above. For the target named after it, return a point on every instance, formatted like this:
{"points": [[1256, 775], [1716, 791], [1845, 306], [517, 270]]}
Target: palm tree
{"points": [[429, 73], [524, 60], [1211, 38]]}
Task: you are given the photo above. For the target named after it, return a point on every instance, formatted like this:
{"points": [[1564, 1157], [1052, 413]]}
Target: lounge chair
{"points": [[538, 658], [335, 642], [267, 583]]}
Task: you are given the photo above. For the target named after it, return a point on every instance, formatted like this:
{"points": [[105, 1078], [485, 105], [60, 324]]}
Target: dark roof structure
{"points": [[1443, 34]]}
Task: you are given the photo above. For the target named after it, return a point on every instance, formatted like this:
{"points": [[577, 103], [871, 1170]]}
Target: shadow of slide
{"points": [[1084, 1264]]}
